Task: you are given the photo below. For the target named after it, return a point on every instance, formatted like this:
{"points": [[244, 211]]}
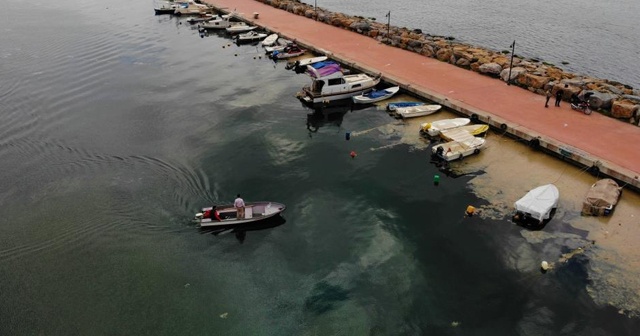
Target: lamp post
{"points": [[389, 25], [315, 8], [513, 51]]}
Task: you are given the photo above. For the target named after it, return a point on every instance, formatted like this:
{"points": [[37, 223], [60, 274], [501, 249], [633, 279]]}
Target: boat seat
{"points": [[248, 212]]}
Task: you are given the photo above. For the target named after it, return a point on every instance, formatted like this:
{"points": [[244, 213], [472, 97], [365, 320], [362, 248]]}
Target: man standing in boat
{"points": [[239, 204]]}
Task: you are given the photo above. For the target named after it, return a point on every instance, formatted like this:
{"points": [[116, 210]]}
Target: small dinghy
{"points": [[375, 96], [226, 215], [434, 128], [287, 52], [417, 111], [240, 28], [393, 106], [270, 40], [300, 65], [537, 206], [251, 36], [474, 130]]}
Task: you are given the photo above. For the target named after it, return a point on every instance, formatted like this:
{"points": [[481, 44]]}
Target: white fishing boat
{"points": [[474, 130], [537, 205], [434, 128], [278, 45], [190, 8], [219, 22], [251, 36], [458, 149], [241, 27], [374, 96], [270, 40], [417, 111], [226, 215], [205, 18], [329, 83]]}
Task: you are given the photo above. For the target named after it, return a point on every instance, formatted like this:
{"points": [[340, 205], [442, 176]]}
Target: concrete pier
{"points": [[598, 143]]}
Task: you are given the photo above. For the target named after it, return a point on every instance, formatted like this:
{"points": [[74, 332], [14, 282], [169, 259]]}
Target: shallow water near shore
{"points": [[118, 125]]}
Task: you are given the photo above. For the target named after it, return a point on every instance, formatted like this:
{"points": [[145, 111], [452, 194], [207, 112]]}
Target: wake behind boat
{"points": [[226, 215]]}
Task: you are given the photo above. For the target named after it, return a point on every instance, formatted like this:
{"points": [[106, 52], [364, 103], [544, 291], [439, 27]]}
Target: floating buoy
{"points": [[436, 179], [470, 210], [544, 266], [347, 136], [236, 55], [353, 154]]}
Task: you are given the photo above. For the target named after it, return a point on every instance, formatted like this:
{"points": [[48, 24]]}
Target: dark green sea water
{"points": [[116, 126]]}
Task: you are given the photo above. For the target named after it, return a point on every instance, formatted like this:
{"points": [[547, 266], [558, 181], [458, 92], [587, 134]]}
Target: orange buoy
{"points": [[470, 210], [353, 154]]}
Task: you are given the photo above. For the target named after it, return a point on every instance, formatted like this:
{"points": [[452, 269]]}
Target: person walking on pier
{"points": [[559, 95], [548, 95]]}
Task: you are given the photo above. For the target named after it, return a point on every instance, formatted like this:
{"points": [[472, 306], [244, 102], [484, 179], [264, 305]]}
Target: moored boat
{"points": [[330, 83], [537, 205], [240, 27], [164, 7], [475, 130], [374, 96], [251, 36], [394, 105], [270, 40], [226, 215], [300, 65], [434, 128], [190, 8], [601, 198], [417, 111], [458, 149], [289, 51]]}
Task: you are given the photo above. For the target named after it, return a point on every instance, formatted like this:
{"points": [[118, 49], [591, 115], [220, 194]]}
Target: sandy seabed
{"points": [[510, 170]]}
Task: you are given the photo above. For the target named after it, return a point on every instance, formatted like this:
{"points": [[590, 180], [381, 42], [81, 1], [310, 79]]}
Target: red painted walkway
{"points": [[613, 141]]}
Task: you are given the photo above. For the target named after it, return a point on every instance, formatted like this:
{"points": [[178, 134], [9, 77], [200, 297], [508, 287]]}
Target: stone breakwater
{"points": [[611, 98]]}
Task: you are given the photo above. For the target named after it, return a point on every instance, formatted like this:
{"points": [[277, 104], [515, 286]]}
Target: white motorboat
{"points": [[457, 149], [205, 18], [278, 45], [190, 8], [241, 27], [302, 63], [434, 128], [374, 96], [537, 205], [218, 23], [164, 7], [417, 111], [476, 129], [329, 83], [226, 215], [270, 40], [251, 36]]}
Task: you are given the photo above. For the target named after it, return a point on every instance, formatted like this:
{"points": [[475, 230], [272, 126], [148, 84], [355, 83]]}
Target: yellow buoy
{"points": [[470, 210]]}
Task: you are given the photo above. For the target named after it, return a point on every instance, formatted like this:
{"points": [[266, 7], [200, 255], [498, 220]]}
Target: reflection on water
{"points": [[240, 231]]}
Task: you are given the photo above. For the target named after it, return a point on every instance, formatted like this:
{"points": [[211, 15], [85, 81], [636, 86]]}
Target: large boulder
{"points": [[515, 73], [533, 81], [601, 100], [635, 99], [360, 26], [427, 50], [492, 69], [444, 54], [623, 109]]}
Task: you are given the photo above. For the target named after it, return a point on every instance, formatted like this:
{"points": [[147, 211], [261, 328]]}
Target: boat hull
{"points": [[367, 98]]}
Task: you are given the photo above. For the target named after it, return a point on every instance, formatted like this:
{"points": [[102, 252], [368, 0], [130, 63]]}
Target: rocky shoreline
{"points": [[608, 97]]}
